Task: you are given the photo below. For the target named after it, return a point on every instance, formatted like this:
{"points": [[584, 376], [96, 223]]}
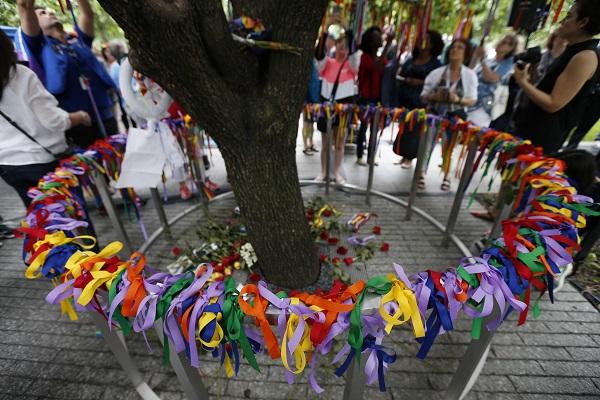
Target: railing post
{"points": [[160, 210], [421, 152], [372, 150], [460, 192], [119, 350], [109, 206]]}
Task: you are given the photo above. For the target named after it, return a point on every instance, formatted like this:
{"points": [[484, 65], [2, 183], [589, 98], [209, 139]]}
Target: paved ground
{"points": [[45, 356]]}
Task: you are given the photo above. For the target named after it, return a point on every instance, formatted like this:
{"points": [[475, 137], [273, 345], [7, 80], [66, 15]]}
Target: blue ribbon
{"points": [[439, 317]]}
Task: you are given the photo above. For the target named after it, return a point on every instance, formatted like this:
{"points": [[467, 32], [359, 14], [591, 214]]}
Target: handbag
{"points": [[68, 152], [322, 120]]}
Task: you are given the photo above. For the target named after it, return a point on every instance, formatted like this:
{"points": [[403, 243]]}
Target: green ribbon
{"points": [[233, 317], [117, 316], [163, 305], [380, 285], [471, 279], [585, 208]]}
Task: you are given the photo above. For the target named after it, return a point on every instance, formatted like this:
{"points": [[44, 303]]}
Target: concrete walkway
{"points": [[43, 355]]}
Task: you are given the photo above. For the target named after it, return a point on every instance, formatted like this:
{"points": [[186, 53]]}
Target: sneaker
{"points": [[360, 161], [211, 185], [185, 192]]}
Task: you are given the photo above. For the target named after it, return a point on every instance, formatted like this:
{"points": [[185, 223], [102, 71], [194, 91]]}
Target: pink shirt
{"points": [[328, 70]]}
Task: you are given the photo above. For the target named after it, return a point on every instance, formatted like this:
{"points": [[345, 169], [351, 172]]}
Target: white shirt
{"points": [[28, 103], [467, 75]]}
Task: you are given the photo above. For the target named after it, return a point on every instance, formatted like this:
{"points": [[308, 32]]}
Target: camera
{"points": [[532, 55]]}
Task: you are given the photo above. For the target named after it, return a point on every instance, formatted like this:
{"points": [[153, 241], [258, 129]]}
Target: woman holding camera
{"points": [[551, 109]]}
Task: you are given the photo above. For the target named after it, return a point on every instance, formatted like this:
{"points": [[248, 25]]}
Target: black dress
{"points": [[550, 130]]}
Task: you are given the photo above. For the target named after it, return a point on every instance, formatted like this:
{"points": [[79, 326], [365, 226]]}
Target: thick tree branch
{"points": [[233, 64]]}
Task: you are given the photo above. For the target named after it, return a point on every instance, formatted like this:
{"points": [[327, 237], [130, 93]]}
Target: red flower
{"points": [[327, 213], [377, 230], [309, 218], [342, 250], [236, 257], [333, 240], [385, 247], [323, 258], [348, 261], [336, 260], [254, 277], [324, 235], [294, 293], [219, 268], [226, 261], [176, 251]]}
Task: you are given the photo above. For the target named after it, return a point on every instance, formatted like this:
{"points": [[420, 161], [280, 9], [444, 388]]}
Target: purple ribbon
{"points": [[360, 242], [491, 287]]}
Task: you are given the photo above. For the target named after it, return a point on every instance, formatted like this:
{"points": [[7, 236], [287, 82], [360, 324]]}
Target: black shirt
{"points": [[550, 130]]}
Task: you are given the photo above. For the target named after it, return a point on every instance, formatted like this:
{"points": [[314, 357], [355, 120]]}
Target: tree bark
{"points": [[249, 106], [267, 191]]}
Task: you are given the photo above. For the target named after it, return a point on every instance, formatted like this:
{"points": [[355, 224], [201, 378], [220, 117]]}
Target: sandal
{"points": [[313, 149], [445, 185], [307, 152], [421, 183]]}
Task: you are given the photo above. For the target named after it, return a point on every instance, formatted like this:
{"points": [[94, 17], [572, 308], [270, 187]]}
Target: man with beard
{"points": [[71, 71]]}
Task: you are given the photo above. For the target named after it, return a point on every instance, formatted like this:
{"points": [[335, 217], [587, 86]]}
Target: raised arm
{"points": [[86, 17], [29, 21]]}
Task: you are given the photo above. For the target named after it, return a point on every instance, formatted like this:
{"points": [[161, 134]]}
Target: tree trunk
{"points": [[265, 181], [250, 106]]}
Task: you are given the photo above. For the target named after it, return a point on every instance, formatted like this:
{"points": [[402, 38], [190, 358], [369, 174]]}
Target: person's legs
{"points": [[307, 133], [360, 142], [324, 149], [22, 177], [339, 155], [372, 139]]}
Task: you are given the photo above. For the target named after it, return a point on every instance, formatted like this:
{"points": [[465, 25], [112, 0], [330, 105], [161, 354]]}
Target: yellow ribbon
{"points": [[74, 263], [407, 307], [228, 366], [207, 318], [303, 346], [53, 239], [98, 279]]}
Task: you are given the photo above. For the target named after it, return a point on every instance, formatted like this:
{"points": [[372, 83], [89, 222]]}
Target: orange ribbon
{"points": [[257, 310]]}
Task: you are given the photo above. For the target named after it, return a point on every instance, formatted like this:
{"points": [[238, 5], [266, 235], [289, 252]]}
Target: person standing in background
{"points": [[32, 126], [410, 79], [554, 106], [338, 75], [449, 90], [370, 77], [490, 73], [555, 45], [72, 72]]}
